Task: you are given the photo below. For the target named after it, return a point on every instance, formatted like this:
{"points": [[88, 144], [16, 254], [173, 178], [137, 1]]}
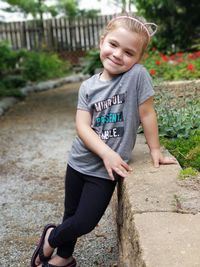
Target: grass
{"points": [[187, 173], [187, 152]]}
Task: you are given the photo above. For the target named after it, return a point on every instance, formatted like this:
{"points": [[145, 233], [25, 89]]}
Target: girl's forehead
{"points": [[124, 35], [121, 31]]}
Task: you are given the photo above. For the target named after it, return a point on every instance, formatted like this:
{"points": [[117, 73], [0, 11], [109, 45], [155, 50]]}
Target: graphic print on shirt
{"points": [[108, 118]]}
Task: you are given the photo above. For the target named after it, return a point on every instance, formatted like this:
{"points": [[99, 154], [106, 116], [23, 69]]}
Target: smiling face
{"points": [[120, 49]]}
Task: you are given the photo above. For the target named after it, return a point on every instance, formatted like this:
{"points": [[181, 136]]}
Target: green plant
{"points": [[179, 66], [10, 80], [179, 128], [187, 173], [176, 20], [9, 91], [18, 67], [10, 85], [13, 81], [43, 66], [187, 151], [9, 59], [177, 120], [91, 62]]}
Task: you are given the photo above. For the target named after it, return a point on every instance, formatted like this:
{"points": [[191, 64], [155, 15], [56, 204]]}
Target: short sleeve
{"points": [[144, 86], [83, 98]]}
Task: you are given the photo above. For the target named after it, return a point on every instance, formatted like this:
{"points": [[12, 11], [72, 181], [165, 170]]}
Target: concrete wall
{"points": [[158, 215]]}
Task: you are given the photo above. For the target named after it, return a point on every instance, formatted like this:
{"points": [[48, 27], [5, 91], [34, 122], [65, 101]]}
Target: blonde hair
{"points": [[134, 24]]}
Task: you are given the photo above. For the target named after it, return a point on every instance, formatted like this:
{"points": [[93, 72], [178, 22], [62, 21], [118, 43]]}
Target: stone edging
{"points": [[8, 102], [181, 89], [158, 216]]}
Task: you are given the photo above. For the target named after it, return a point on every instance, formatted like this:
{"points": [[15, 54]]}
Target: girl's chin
{"points": [[113, 71]]}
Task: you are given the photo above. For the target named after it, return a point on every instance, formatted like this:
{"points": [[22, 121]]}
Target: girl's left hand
{"points": [[159, 159]]}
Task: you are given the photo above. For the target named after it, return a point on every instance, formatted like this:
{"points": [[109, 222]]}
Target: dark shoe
{"points": [[39, 249], [71, 264]]}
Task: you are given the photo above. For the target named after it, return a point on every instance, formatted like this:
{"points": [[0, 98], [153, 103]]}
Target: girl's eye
{"points": [[130, 54], [113, 44]]}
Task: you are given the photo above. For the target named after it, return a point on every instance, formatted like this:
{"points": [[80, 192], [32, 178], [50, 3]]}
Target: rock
{"points": [[6, 103], [27, 89]]}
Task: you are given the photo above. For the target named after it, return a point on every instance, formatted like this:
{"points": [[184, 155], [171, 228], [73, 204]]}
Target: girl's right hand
{"points": [[114, 163]]}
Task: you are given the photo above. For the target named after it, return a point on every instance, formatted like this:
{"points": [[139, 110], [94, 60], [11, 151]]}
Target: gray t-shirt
{"points": [[114, 107]]}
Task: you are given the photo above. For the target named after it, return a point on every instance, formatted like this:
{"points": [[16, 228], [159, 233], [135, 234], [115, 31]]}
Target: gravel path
{"points": [[35, 137]]}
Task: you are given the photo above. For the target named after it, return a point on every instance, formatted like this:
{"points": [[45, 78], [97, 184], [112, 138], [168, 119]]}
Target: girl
{"points": [[111, 106]]}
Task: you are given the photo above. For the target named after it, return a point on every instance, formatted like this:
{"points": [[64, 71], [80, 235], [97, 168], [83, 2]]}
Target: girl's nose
{"points": [[117, 53]]}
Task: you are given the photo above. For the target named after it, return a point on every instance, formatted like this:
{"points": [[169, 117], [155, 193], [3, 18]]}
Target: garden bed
{"points": [[178, 109]]}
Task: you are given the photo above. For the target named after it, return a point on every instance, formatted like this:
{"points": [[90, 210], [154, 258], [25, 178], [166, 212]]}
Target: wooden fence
{"points": [[64, 34]]}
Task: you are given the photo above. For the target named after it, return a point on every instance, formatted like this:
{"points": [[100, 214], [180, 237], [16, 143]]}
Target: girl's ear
{"points": [[101, 41]]}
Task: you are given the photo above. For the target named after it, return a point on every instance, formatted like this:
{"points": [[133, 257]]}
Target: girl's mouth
{"points": [[115, 62]]}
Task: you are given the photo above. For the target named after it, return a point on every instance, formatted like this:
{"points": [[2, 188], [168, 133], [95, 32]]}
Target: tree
{"points": [[37, 8], [34, 7], [68, 7], [178, 21], [125, 5]]}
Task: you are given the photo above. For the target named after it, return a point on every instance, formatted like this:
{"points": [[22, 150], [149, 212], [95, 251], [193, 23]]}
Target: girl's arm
{"points": [[149, 122], [112, 160]]}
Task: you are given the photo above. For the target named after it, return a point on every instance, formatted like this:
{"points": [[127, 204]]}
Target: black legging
{"points": [[86, 199]]}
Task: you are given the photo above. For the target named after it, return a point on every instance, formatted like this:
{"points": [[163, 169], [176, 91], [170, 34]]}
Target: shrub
{"points": [[9, 91], [9, 62], [43, 66], [18, 67], [9, 59], [178, 21], [91, 62], [179, 66], [179, 128], [13, 81], [177, 119]]}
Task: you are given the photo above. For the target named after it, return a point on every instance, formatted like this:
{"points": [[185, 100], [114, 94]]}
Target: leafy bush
{"points": [[9, 59], [176, 19], [43, 66], [179, 128], [9, 91], [18, 67], [91, 62], [179, 66], [10, 85], [9, 78], [177, 119], [14, 81]]}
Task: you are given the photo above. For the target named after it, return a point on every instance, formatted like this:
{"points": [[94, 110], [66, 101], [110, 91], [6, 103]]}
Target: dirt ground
{"points": [[35, 138]]}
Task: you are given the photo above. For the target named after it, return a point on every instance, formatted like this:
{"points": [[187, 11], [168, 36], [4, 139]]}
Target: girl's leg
{"points": [[95, 197], [73, 188]]}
